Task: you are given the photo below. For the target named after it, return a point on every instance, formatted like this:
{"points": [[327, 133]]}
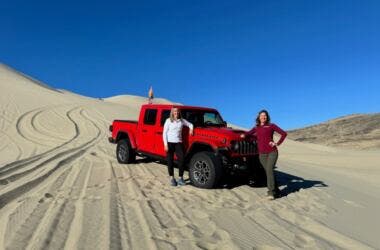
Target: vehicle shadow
{"points": [[286, 182], [145, 160]]}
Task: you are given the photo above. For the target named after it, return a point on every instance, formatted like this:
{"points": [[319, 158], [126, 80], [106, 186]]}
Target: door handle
{"points": [[159, 133], [144, 130]]}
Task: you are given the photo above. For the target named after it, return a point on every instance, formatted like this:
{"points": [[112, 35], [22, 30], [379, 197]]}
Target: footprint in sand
{"points": [[48, 195], [304, 241], [98, 186]]}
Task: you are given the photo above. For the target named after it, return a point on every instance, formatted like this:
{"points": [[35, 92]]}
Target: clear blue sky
{"points": [[304, 61]]}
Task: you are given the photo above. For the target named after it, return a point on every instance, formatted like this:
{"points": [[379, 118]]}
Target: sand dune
{"points": [[360, 131], [62, 188]]}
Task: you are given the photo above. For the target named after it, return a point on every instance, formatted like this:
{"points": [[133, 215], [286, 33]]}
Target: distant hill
{"points": [[360, 131]]}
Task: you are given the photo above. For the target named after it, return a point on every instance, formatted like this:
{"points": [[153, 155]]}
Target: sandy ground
{"points": [[61, 187]]}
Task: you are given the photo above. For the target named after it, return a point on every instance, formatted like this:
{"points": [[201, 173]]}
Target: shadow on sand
{"points": [[287, 183], [290, 183]]}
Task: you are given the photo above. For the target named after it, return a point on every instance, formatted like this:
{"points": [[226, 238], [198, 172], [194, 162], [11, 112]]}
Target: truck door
{"points": [[159, 143], [146, 131]]}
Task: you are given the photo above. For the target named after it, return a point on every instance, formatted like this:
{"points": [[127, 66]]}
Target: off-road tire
{"points": [[124, 152], [205, 170]]}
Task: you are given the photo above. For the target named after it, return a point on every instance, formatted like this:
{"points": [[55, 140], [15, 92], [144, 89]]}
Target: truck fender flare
{"points": [[191, 149], [199, 143], [129, 135]]}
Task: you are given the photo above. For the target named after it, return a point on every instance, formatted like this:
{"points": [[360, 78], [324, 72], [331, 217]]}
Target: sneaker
{"points": [[181, 182], [270, 197], [173, 182]]}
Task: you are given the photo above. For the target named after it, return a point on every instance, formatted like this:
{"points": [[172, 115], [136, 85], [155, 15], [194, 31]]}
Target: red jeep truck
{"points": [[213, 151]]}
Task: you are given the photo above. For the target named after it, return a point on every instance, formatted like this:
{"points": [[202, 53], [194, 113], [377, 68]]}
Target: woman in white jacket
{"points": [[172, 136]]}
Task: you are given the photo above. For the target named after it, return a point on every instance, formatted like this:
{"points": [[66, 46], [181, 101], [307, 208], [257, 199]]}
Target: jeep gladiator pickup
{"points": [[212, 152]]}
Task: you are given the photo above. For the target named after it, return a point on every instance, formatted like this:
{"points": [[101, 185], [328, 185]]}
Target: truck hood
{"points": [[228, 133]]}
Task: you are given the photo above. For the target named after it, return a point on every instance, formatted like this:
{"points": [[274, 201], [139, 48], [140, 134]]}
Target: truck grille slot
{"points": [[246, 147]]}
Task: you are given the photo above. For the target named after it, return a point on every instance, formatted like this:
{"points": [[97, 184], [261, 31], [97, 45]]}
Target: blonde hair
{"points": [[172, 114]]}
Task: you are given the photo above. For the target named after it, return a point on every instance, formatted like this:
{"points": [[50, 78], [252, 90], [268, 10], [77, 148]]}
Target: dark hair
{"points": [[258, 117]]}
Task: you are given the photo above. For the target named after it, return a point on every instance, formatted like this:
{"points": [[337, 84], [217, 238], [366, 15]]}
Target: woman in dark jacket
{"points": [[268, 152]]}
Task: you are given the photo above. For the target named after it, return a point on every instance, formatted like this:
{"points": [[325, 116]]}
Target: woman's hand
{"points": [[191, 131], [272, 144], [166, 148]]}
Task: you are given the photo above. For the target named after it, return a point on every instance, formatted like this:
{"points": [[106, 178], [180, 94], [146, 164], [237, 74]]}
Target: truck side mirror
{"points": [[224, 123]]}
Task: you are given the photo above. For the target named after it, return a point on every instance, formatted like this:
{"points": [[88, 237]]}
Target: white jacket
{"points": [[173, 130]]}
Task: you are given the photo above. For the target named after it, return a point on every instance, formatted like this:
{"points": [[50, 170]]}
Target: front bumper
{"points": [[234, 162]]}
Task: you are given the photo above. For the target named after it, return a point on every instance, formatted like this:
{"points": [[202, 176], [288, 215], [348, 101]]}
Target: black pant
{"points": [[178, 149]]}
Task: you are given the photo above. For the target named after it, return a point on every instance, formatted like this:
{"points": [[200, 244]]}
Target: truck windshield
{"points": [[202, 118]]}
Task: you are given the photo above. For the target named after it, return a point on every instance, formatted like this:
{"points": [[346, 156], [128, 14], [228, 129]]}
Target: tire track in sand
{"points": [[21, 163], [58, 228], [9, 113], [137, 220], [96, 206], [116, 214], [28, 215], [25, 162], [151, 202], [39, 126], [57, 161], [27, 131], [57, 155]]}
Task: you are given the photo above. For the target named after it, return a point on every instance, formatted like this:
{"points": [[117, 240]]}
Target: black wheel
{"points": [[256, 172], [205, 170], [124, 152]]}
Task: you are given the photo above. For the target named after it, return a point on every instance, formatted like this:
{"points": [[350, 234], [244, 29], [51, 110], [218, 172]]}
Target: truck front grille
{"points": [[245, 147]]}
